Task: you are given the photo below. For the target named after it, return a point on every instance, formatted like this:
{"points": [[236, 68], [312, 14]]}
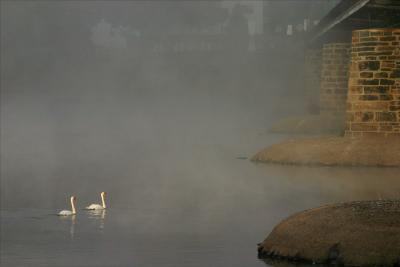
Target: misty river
{"points": [[165, 127], [214, 216], [172, 152]]}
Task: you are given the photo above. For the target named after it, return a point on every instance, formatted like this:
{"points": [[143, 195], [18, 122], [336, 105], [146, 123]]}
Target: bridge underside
{"points": [[359, 44]]}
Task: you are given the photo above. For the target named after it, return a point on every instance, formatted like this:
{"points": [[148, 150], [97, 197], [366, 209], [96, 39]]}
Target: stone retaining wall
{"points": [[373, 101]]}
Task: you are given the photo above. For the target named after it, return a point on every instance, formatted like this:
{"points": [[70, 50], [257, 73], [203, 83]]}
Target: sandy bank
{"points": [[330, 151], [365, 233]]}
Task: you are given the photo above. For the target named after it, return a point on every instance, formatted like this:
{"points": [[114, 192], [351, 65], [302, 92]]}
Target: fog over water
{"points": [[159, 124], [79, 114]]}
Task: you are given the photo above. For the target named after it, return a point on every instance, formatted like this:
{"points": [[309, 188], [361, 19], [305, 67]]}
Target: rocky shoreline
{"points": [[334, 151], [363, 233]]}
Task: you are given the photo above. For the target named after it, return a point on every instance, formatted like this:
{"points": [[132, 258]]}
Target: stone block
{"points": [[386, 81], [367, 75], [395, 74], [387, 38], [364, 127], [370, 105], [368, 97], [355, 89], [368, 81], [369, 65], [381, 75], [376, 89], [363, 116], [386, 116]]}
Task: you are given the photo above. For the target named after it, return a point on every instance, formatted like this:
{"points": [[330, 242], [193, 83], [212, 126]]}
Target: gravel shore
{"points": [[364, 233], [331, 151]]}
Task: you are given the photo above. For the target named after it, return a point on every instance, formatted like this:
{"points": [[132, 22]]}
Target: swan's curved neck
{"points": [[73, 206], [103, 202]]}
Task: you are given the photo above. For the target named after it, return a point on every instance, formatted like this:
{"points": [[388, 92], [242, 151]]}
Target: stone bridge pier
{"points": [[334, 78], [326, 84], [373, 99], [352, 85], [312, 80], [326, 78]]}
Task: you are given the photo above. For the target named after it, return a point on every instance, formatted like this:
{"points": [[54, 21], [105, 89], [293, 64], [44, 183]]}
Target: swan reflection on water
{"points": [[98, 215], [71, 218]]}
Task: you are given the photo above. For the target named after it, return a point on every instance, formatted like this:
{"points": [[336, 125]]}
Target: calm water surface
{"points": [[211, 211]]}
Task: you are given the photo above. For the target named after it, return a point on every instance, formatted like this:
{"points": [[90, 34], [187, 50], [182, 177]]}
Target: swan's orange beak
{"points": [[104, 193]]}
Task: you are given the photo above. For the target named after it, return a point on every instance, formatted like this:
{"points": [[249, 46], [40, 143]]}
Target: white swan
{"points": [[98, 206], [68, 212]]}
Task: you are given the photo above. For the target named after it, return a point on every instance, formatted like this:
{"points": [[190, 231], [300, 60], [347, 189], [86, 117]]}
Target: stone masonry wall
{"points": [[312, 72], [334, 78], [373, 105]]}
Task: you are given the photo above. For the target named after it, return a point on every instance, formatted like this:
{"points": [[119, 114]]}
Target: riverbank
{"points": [[309, 124], [364, 233], [332, 151]]}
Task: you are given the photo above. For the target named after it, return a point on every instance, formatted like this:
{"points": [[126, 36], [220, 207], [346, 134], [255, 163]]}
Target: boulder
{"points": [[364, 233]]}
